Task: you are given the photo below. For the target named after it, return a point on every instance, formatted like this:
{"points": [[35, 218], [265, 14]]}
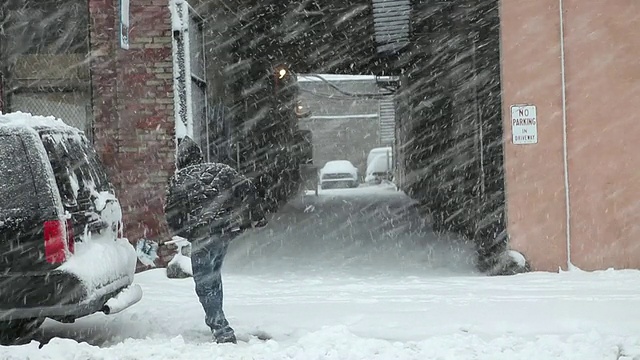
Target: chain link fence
{"points": [[72, 106]]}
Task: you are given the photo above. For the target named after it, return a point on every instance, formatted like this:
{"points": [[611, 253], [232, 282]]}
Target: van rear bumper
{"points": [[55, 294]]}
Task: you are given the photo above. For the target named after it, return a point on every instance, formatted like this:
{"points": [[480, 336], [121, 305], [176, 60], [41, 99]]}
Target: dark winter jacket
{"points": [[205, 199]]}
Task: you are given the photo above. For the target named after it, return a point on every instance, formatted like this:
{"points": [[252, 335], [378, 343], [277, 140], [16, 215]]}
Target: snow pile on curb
{"points": [[517, 258], [330, 315], [336, 342]]}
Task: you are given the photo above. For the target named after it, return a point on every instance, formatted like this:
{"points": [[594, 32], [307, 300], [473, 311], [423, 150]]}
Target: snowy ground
{"points": [[326, 290]]}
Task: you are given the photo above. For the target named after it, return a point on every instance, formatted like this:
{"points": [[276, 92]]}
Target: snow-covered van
{"points": [[62, 255], [380, 168], [387, 151]]}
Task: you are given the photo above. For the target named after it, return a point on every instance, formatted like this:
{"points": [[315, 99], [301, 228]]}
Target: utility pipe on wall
{"points": [[564, 137]]}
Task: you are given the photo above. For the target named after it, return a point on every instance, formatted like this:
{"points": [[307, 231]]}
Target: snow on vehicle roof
{"points": [[334, 166], [20, 119], [339, 163], [380, 149]]}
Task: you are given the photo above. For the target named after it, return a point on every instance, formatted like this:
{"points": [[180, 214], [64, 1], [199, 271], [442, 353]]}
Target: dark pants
{"points": [[206, 261]]}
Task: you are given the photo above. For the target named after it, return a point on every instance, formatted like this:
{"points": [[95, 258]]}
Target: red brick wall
{"points": [[133, 109]]}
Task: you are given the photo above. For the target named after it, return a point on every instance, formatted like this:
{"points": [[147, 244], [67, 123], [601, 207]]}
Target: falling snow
{"points": [[441, 259]]}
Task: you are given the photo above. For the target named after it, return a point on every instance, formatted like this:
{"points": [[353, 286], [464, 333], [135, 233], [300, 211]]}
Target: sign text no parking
{"points": [[524, 124]]}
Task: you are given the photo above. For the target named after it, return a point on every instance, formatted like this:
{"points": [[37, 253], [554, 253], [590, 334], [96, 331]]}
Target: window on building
{"points": [[71, 105], [44, 45], [44, 27]]}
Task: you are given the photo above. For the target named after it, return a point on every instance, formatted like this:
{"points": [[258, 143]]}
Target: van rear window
{"points": [[17, 188], [75, 165]]}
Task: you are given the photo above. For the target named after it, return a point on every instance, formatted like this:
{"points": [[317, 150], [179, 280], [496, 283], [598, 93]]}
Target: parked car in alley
{"points": [[338, 174], [62, 255]]}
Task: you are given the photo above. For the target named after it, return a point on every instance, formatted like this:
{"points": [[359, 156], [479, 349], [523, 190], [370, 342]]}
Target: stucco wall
{"points": [[602, 92]]}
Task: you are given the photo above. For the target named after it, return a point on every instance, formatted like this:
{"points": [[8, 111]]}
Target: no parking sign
{"points": [[524, 124]]}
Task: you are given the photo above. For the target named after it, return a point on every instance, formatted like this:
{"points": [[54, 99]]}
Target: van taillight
{"points": [[58, 239]]}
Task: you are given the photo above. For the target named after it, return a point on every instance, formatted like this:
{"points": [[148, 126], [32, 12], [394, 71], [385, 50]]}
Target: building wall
{"points": [[43, 63], [339, 139], [336, 136], [602, 93], [133, 109]]}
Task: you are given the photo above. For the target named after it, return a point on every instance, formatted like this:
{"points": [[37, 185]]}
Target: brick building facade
{"points": [[133, 108], [127, 96], [122, 98]]}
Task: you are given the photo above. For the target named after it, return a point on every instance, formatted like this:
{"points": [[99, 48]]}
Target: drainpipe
{"points": [[564, 137], [1, 92], [476, 109]]}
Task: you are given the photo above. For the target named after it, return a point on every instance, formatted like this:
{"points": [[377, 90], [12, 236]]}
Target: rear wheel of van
{"points": [[15, 331]]}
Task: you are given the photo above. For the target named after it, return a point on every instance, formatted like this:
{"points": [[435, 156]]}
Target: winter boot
{"points": [[225, 335]]}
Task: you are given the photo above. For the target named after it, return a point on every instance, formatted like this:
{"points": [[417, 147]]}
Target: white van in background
{"points": [[379, 151], [379, 165]]}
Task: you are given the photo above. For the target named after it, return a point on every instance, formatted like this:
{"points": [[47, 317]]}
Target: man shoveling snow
{"points": [[210, 204]]}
